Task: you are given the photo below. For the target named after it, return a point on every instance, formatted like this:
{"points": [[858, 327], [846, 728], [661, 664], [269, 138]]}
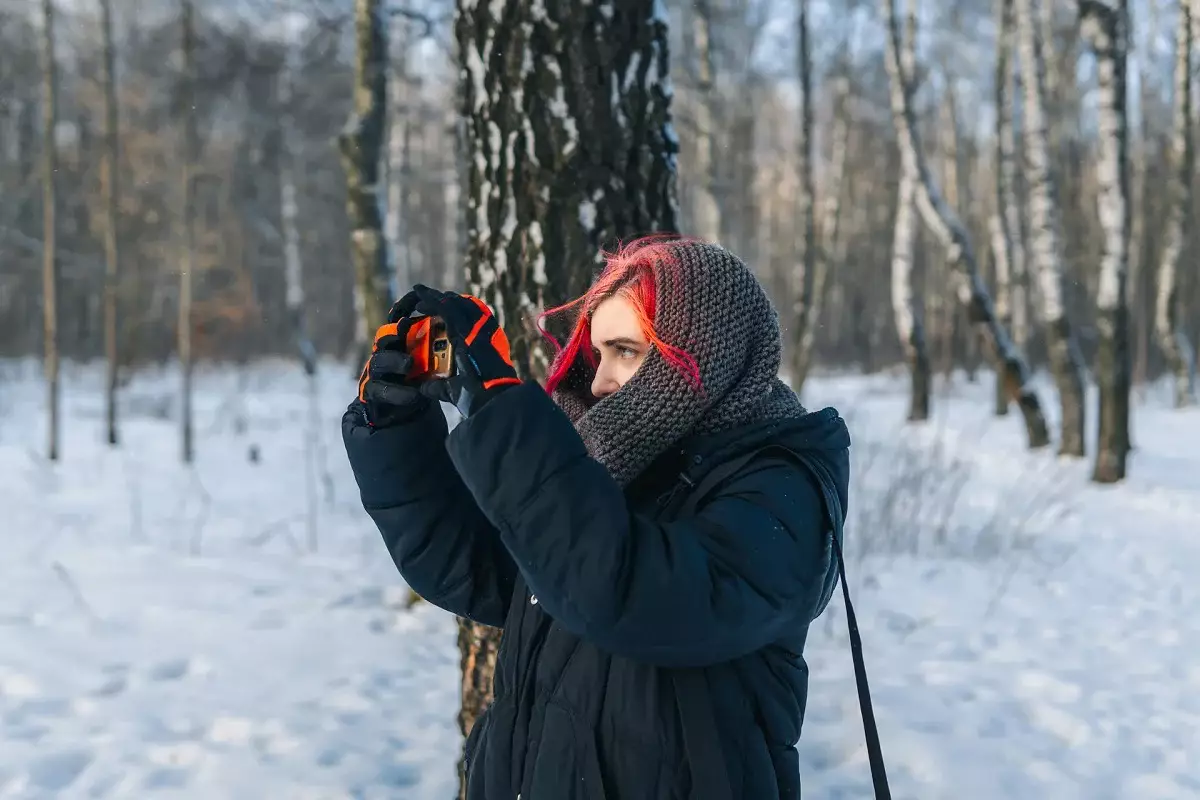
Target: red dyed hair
{"points": [[629, 272]]}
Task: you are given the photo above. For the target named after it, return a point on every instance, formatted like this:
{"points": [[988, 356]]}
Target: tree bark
{"points": [[399, 171], [1105, 28], [111, 204], [829, 241], [361, 144], [289, 215], [949, 230], [910, 324], [807, 284], [1007, 244], [706, 203], [1045, 236], [570, 147], [187, 222], [50, 276], [1169, 308]]}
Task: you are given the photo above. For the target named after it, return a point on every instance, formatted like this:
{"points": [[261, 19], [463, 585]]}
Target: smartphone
{"points": [[431, 350]]}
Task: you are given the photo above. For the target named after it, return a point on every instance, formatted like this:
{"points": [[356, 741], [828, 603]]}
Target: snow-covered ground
{"points": [[166, 632]]}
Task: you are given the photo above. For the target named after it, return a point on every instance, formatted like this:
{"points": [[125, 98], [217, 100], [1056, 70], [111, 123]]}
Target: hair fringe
{"points": [[629, 271]]}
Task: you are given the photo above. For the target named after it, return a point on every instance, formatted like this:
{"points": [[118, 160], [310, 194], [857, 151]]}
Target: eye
{"points": [[626, 352]]}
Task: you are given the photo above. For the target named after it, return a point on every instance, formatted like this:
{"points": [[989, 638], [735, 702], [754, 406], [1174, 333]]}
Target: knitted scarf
{"points": [[710, 305]]}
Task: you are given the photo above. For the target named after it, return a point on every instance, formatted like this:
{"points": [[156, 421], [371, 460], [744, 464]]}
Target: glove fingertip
{"points": [[435, 390]]}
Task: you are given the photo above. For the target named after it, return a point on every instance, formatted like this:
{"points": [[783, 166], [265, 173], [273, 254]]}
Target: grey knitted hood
{"points": [[710, 305]]}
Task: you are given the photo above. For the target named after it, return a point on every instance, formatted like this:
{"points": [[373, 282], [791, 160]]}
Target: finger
{"points": [[428, 295], [390, 362], [394, 342], [464, 363], [430, 307], [354, 419], [403, 307], [390, 394], [437, 390]]}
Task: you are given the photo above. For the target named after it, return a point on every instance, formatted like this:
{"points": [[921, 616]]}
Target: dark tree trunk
{"points": [[361, 144], [187, 222], [50, 276], [1105, 28], [111, 204], [569, 146]]}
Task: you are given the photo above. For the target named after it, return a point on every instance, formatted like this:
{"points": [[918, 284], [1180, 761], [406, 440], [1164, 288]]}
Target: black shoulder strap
{"points": [[710, 776]]}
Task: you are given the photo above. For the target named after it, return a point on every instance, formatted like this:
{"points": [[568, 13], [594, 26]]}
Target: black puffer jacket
{"points": [[603, 594]]}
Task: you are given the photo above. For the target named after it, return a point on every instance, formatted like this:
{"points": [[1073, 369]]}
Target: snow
{"points": [[166, 632]]}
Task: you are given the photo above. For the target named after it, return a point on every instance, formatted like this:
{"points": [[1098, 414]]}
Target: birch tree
{"points": [[112, 202], [1045, 238], [289, 211], [1169, 310], [570, 146], [187, 223], [50, 276], [910, 324], [1007, 244], [1104, 27], [361, 145], [951, 233]]}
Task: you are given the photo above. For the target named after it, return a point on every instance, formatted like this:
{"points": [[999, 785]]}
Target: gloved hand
{"points": [[483, 366], [385, 393]]}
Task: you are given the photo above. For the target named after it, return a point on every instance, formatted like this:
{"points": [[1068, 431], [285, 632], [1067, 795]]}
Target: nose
{"points": [[604, 383]]}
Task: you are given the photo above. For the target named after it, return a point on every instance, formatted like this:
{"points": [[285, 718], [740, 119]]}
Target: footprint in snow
{"points": [[55, 772], [112, 686], [177, 668]]}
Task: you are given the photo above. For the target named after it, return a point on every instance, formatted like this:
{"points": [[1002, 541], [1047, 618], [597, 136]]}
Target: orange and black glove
{"points": [[386, 394], [483, 366]]}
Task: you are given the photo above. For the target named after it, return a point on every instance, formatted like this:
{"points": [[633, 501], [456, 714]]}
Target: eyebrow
{"points": [[621, 340]]}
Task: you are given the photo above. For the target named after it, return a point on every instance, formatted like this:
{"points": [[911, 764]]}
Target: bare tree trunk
{"points": [[1142, 182], [289, 215], [540, 204], [50, 276], [1169, 309], [909, 322], [1045, 237], [187, 214], [399, 171], [829, 241], [946, 226], [1007, 245], [805, 287], [705, 197], [111, 204], [1105, 28], [1016, 209], [295, 295], [361, 144]]}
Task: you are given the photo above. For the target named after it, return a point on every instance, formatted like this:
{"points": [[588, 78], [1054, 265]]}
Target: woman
{"points": [[653, 530]]}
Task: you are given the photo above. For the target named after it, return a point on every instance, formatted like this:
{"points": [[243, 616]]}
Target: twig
{"points": [[73, 588]]}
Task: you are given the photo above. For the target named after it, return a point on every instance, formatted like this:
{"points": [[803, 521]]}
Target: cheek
{"points": [[630, 366]]}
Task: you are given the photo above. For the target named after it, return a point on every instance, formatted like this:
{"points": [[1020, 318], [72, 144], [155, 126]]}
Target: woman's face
{"points": [[618, 342]]}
